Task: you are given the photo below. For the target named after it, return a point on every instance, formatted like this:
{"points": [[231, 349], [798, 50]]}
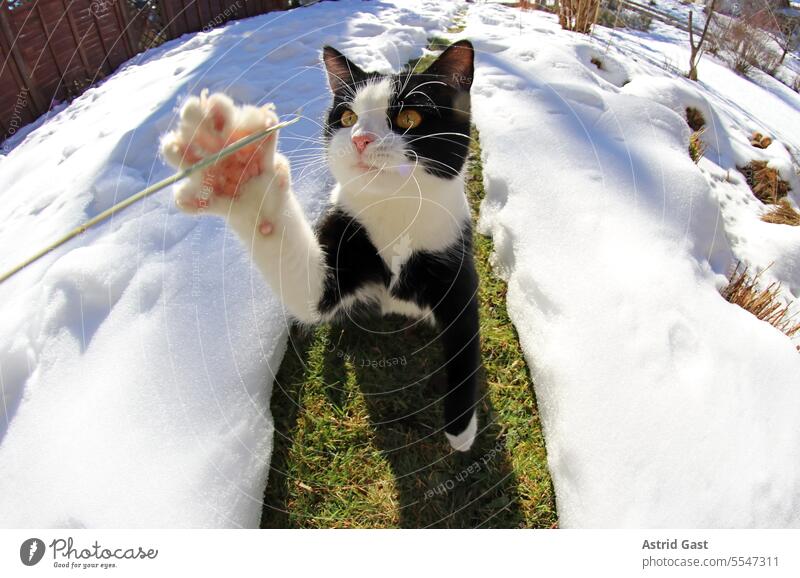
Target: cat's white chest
{"points": [[401, 222], [429, 216]]}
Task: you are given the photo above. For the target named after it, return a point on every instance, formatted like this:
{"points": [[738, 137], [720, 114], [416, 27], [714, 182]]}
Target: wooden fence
{"points": [[51, 50]]}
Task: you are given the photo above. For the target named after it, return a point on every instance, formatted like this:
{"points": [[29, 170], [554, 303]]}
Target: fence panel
{"points": [[52, 50]]}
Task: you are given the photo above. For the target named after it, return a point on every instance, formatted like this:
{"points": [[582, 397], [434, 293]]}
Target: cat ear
{"points": [[341, 71], [456, 65]]}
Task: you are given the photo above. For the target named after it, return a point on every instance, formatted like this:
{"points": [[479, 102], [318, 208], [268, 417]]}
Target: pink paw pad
{"points": [[230, 173], [265, 227]]}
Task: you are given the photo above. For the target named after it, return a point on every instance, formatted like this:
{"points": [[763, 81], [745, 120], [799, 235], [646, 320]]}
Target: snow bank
{"points": [[137, 361], [663, 405]]}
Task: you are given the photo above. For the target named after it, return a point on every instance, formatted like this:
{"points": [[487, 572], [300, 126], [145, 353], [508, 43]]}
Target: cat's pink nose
{"points": [[361, 141]]}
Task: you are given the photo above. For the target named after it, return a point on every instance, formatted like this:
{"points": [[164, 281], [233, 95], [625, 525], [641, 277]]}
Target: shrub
{"points": [[552, 7], [577, 15], [713, 46], [607, 18], [612, 17], [743, 46], [638, 21]]}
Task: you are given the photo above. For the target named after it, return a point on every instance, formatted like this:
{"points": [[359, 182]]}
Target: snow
{"points": [[662, 404], [137, 361]]}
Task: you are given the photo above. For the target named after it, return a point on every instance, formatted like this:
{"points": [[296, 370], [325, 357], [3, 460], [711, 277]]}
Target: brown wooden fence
{"points": [[51, 50]]}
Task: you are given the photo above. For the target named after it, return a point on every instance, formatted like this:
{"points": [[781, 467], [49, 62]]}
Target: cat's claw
{"points": [[209, 123]]}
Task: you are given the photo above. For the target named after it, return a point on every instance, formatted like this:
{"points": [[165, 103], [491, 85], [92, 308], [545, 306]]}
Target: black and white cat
{"points": [[398, 234]]}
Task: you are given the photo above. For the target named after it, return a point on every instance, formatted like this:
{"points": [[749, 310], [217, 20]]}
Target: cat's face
{"points": [[388, 129]]}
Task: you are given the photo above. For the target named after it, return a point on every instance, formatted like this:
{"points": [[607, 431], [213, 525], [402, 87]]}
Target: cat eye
{"points": [[349, 118], [408, 118]]}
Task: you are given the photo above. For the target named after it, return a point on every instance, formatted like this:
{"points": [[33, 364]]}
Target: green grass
{"points": [[421, 63], [435, 44], [358, 440], [459, 22], [697, 148]]}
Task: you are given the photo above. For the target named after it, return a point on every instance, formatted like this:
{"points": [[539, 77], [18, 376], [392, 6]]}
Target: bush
{"points": [[607, 18], [577, 15], [610, 17], [637, 20], [743, 46]]}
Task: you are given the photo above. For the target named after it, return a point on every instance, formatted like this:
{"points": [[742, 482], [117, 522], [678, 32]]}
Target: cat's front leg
{"points": [[251, 189]]}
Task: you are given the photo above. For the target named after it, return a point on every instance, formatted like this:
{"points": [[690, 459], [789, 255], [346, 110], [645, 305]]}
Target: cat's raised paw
{"points": [[209, 123]]}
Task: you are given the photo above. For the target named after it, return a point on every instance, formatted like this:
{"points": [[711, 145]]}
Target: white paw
{"points": [[208, 124], [463, 441]]}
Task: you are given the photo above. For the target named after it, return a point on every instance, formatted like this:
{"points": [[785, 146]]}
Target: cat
{"points": [[398, 233]]}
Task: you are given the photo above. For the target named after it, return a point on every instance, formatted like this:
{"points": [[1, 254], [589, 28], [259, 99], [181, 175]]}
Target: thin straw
{"points": [[154, 188]]}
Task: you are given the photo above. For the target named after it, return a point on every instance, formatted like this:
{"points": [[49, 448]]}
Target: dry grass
{"points": [[697, 148], [694, 118], [765, 304], [765, 182], [783, 213], [760, 141]]}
